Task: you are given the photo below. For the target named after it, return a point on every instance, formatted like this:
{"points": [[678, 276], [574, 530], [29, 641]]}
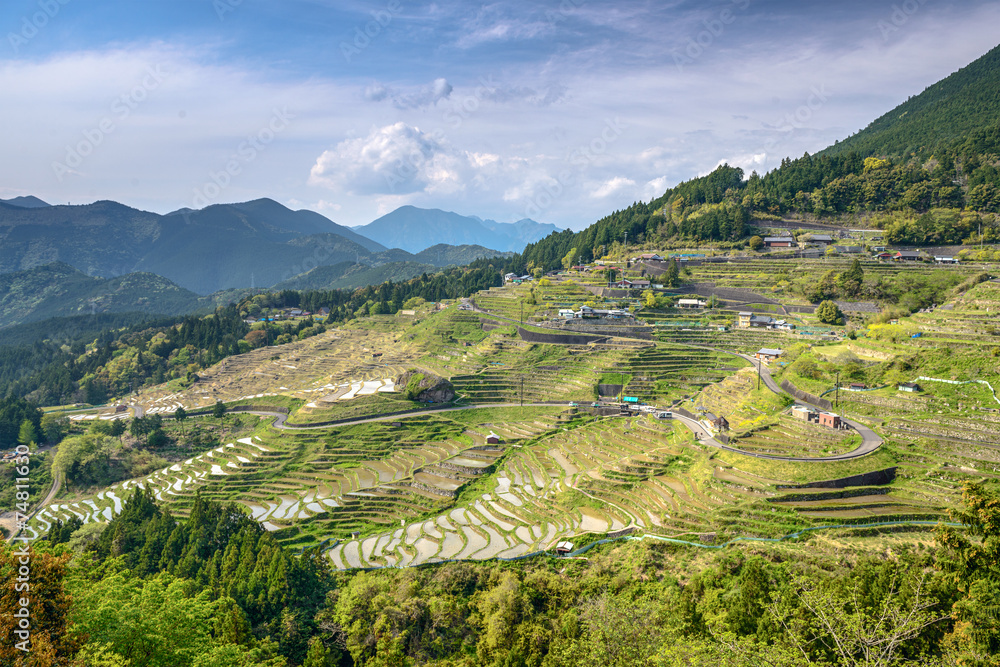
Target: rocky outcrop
{"points": [[425, 387]]}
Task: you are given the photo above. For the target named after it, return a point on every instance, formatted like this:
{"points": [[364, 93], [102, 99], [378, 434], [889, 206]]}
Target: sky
{"points": [[562, 111]]}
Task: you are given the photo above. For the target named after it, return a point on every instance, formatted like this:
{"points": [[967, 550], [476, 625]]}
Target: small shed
{"points": [[563, 548], [804, 413], [492, 439], [829, 420], [911, 387]]}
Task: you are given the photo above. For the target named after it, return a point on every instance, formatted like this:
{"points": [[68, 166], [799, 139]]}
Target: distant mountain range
{"points": [[414, 229], [224, 246], [350, 275], [25, 202]]}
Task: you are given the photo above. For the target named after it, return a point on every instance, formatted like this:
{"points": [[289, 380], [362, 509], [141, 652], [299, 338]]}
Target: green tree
{"points": [[27, 435], [568, 259], [829, 313], [756, 243], [972, 562], [117, 429], [54, 427], [180, 414], [219, 410], [672, 277], [851, 279]]}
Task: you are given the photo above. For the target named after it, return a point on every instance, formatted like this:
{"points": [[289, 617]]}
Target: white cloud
{"points": [[392, 160], [613, 186]]}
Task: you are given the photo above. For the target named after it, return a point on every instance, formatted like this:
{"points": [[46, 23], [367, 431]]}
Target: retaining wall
{"points": [[806, 396], [558, 339], [873, 478]]}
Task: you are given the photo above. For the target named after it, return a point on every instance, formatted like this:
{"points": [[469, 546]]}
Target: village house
{"points": [[691, 303], [761, 322], [908, 256], [779, 242], [911, 387], [768, 354], [822, 239], [744, 320], [650, 257], [632, 284]]}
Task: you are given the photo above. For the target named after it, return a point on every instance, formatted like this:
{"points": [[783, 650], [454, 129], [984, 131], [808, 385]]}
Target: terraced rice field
{"points": [[310, 369]]}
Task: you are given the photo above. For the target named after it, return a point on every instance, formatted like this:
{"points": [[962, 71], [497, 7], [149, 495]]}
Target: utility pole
{"points": [[836, 400], [758, 375], [522, 313], [522, 390]]}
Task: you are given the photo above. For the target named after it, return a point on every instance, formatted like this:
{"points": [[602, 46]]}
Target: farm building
{"points": [[908, 256], [829, 420], [563, 548], [767, 354], [762, 321], [804, 413], [691, 303], [632, 284], [857, 386], [779, 242], [911, 387], [650, 257], [492, 439], [945, 260]]}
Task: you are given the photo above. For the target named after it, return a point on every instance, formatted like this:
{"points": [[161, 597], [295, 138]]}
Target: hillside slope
{"points": [[950, 109]]}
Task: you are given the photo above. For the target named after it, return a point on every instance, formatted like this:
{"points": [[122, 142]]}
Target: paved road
{"points": [[280, 419], [870, 441]]}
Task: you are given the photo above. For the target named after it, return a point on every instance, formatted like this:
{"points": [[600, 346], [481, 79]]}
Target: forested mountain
{"points": [[59, 290], [348, 275], [949, 110], [927, 172], [415, 229]]}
